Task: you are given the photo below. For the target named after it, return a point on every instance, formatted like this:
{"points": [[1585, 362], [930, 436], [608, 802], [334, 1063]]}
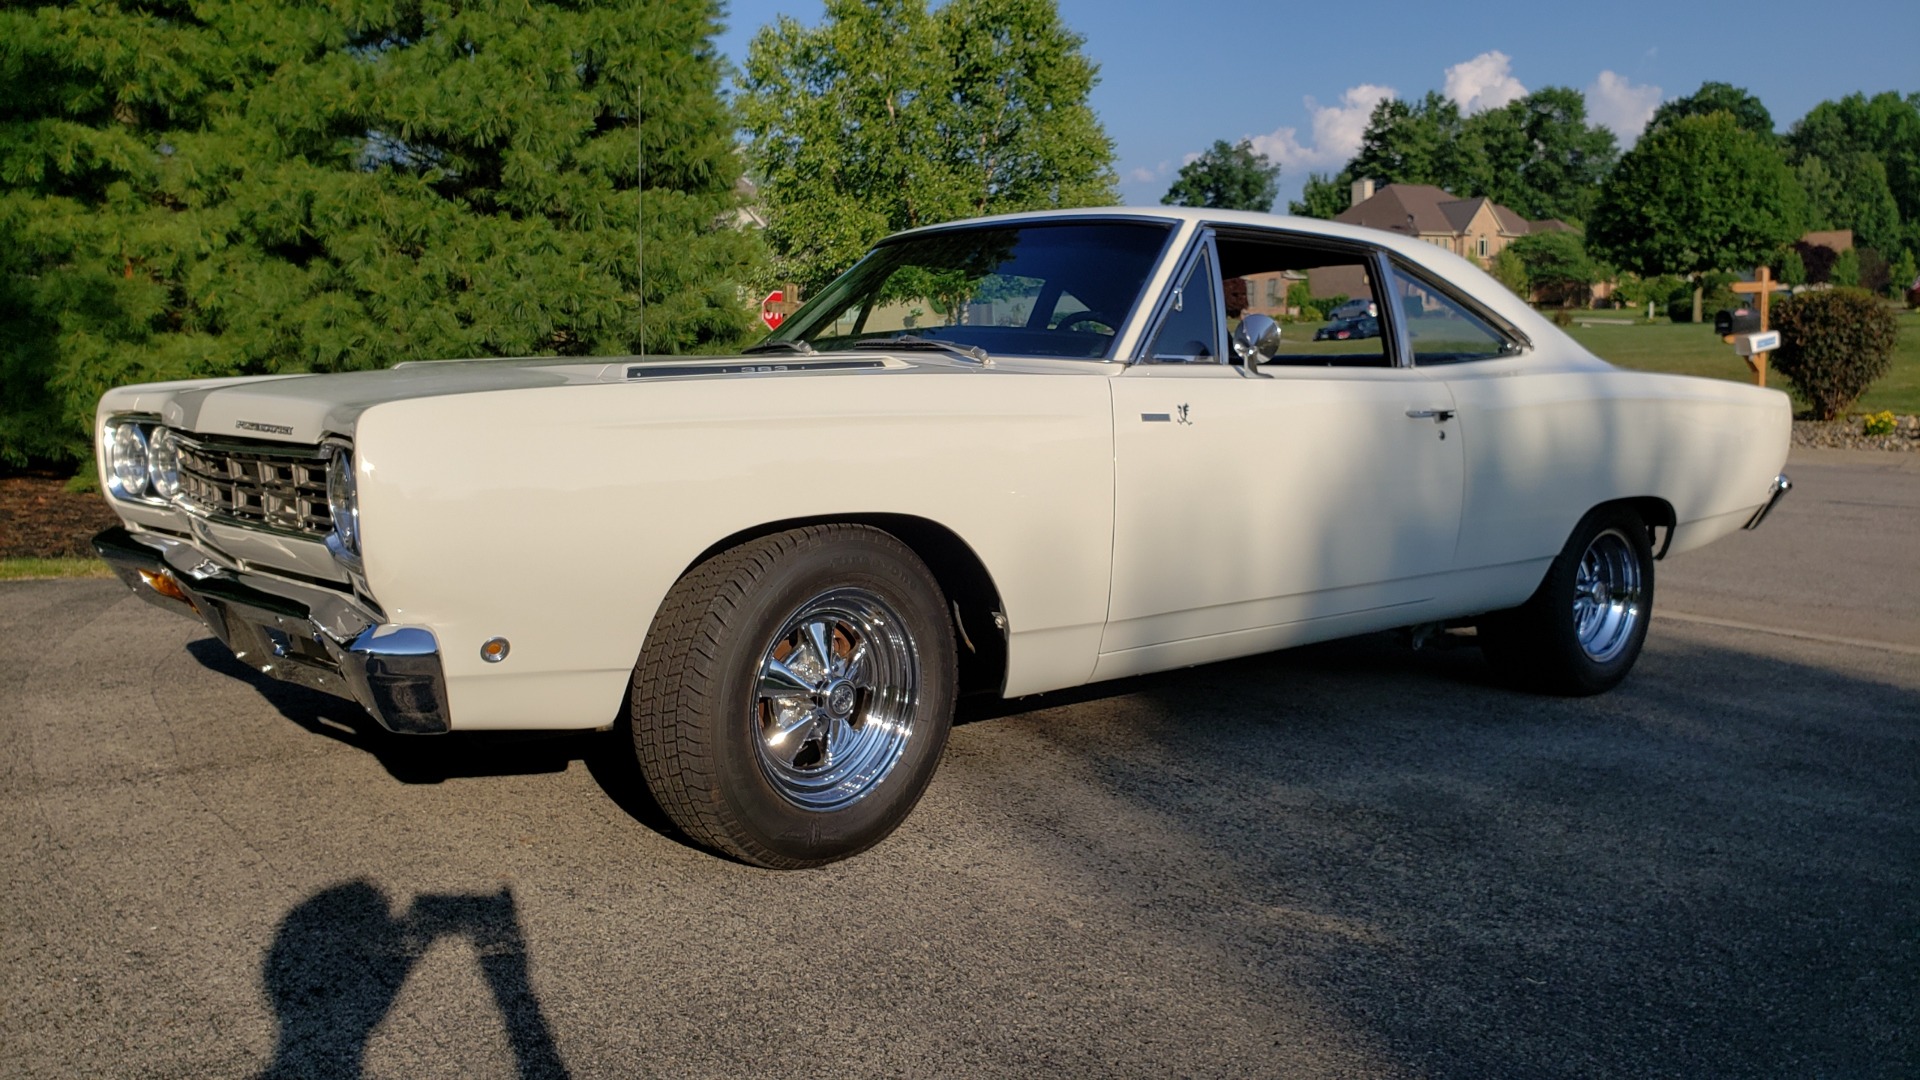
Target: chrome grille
{"points": [[278, 487]]}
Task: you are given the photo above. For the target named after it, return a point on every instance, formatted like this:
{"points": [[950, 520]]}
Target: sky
{"points": [[1300, 80]]}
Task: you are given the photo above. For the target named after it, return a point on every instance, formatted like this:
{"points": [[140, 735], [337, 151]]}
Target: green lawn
{"points": [[68, 567], [1692, 349]]}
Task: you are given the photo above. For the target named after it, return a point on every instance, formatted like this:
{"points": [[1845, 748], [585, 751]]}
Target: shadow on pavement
{"points": [[1713, 870], [433, 759], [340, 958]]}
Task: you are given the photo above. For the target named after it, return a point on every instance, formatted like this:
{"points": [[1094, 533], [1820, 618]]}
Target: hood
{"points": [[305, 408]]}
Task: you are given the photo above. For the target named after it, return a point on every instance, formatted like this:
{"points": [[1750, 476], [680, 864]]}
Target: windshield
{"points": [[1013, 290]]}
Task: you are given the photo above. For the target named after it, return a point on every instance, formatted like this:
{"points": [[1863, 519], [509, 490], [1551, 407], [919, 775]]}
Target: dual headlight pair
{"points": [[143, 465]]}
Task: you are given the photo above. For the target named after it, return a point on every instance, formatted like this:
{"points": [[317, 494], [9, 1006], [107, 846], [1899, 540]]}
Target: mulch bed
{"points": [[40, 518], [1850, 434]]}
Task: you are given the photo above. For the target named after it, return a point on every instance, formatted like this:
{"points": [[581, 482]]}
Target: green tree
{"points": [[1700, 194], [1323, 197], [1712, 97], [1557, 266], [1235, 177], [1419, 143], [199, 189], [1538, 155], [1850, 192], [1887, 126], [887, 116]]}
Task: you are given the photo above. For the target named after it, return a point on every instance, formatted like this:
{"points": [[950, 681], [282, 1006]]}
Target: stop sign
{"points": [[770, 312]]}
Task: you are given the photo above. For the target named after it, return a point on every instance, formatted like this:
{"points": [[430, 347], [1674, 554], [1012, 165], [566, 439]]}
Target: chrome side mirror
{"points": [[1256, 340]]}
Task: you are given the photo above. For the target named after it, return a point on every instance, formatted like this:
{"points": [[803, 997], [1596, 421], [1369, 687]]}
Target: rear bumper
{"points": [[1781, 485], [301, 634]]}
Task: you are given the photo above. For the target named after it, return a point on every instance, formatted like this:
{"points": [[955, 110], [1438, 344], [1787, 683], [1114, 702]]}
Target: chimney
{"points": [[1362, 191]]}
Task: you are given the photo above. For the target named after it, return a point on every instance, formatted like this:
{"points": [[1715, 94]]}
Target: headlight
{"points": [[127, 461], [343, 500], [163, 465]]}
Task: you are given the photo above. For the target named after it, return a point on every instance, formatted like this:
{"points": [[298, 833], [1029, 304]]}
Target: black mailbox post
{"points": [[1743, 320]]}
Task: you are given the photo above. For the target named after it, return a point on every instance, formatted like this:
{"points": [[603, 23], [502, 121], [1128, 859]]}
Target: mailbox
{"points": [[1741, 320], [1753, 344]]}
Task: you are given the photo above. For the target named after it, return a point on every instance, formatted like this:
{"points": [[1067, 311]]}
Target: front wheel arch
{"points": [[963, 576], [795, 694]]}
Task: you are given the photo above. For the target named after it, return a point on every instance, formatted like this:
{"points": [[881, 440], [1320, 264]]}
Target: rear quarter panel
{"points": [[1544, 447]]}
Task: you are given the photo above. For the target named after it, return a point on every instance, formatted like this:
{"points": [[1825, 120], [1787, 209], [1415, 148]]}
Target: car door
{"points": [[1258, 507]]}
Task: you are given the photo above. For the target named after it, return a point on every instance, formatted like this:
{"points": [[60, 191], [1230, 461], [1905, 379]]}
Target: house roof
{"points": [[1393, 206], [1834, 240], [1432, 210]]}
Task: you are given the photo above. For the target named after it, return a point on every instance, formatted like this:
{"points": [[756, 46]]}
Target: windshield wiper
{"points": [[794, 346], [914, 342]]}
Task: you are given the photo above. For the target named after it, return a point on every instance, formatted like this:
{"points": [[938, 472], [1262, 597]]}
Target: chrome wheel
{"points": [[833, 706], [1607, 591]]}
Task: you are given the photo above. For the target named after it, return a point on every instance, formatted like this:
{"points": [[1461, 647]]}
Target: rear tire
{"points": [[795, 694], [1583, 628]]}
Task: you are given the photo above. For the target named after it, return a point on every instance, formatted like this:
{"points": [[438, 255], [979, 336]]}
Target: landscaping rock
{"points": [[1847, 434]]}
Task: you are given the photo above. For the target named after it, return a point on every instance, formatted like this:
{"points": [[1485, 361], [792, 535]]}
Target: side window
{"points": [[1324, 298], [1442, 330], [1190, 331]]}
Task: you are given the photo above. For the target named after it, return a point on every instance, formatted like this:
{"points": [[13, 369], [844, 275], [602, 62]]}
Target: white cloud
{"points": [[1144, 175], [1622, 106], [1484, 82], [1337, 130]]}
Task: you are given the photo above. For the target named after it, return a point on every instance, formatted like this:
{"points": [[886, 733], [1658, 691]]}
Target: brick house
{"points": [[1476, 229]]}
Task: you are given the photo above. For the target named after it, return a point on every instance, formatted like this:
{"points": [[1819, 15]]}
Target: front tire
{"points": [[795, 694], [1582, 630]]}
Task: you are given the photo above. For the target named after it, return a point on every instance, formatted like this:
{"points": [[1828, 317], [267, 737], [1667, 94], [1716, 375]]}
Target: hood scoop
{"points": [[668, 371]]}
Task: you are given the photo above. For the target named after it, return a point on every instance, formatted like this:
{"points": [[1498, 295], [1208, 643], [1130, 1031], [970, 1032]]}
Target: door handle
{"points": [[1440, 416]]}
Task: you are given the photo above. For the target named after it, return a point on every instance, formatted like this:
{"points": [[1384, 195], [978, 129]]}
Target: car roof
{"points": [[1443, 264]]}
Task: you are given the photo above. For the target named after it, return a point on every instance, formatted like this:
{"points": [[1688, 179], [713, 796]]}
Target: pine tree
{"points": [[200, 189]]}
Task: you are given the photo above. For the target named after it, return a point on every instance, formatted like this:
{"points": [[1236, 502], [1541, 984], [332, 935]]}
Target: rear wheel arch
{"points": [[1582, 629], [1657, 513]]}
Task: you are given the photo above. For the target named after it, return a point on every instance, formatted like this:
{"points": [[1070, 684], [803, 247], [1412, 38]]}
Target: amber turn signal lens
{"points": [[167, 587], [495, 650]]}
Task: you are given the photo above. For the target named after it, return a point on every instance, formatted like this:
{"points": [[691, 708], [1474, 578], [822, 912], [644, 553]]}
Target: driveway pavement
{"points": [[1345, 861]]}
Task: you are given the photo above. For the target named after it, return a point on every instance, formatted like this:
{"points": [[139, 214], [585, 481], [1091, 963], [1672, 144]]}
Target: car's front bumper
{"points": [[302, 634]]}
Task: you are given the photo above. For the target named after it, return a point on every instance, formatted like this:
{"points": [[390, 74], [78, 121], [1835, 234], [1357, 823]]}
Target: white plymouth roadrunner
{"points": [[1007, 455]]}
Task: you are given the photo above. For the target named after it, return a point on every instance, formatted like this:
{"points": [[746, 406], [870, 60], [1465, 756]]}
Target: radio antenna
{"points": [[640, 202]]}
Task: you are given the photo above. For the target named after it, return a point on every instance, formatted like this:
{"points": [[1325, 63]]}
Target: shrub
{"points": [[1880, 423], [1875, 272], [1510, 271], [1846, 269], [1901, 277], [1793, 268], [1562, 317], [1833, 345]]}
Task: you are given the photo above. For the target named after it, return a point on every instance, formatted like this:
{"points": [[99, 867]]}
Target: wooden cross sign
{"points": [[1763, 284]]}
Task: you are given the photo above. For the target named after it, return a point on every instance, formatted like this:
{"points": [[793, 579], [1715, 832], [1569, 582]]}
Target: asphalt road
{"points": [[1349, 860]]}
